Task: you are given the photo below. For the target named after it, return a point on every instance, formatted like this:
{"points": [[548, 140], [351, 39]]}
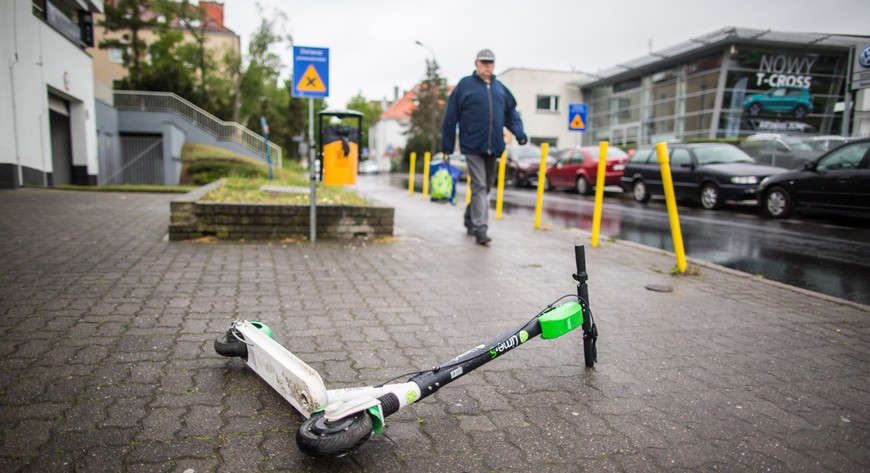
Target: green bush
{"points": [[204, 171]]}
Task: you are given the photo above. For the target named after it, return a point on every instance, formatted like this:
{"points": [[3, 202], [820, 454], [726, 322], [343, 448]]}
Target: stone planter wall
{"points": [[234, 221]]}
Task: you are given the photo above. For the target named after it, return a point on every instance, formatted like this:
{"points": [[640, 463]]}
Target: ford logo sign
{"points": [[864, 57]]}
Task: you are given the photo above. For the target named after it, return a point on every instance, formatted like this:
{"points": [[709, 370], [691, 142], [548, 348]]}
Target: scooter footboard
{"points": [[294, 380]]}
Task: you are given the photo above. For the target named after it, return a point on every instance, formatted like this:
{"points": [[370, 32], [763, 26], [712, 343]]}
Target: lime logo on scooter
{"points": [[411, 397], [508, 344]]}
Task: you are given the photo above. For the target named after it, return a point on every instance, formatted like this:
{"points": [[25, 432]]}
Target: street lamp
{"points": [[434, 99]]}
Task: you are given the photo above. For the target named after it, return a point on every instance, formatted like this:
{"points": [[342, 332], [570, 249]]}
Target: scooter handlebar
{"points": [[580, 258]]}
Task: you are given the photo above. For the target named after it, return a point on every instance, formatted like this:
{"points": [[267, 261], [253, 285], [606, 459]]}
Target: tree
{"points": [[371, 112], [217, 87], [165, 72], [430, 98], [128, 17]]}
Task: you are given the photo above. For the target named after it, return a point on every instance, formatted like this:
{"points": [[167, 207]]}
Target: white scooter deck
{"points": [[294, 380]]}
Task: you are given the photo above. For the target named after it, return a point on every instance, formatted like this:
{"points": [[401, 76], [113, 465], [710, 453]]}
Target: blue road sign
{"points": [[310, 72], [577, 117]]}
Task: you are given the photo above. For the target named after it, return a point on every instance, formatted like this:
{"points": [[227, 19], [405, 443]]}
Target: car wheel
{"points": [[777, 203], [510, 178], [800, 112], [711, 199], [583, 187], [755, 109], [639, 192]]}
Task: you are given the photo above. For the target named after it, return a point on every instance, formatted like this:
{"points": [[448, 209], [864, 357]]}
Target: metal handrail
{"points": [[169, 102]]}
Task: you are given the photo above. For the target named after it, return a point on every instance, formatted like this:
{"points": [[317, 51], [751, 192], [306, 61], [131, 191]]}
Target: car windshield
{"points": [[525, 154], [721, 155]]}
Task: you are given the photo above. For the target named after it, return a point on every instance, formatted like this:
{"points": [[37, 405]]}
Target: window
{"points": [[847, 157], [680, 157], [642, 156], [548, 103], [116, 55]]}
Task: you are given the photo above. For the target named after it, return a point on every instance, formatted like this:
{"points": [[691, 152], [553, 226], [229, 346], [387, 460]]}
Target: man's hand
{"points": [[523, 141]]}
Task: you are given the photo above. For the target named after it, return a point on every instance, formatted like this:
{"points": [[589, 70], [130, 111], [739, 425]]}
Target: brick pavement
{"points": [[107, 363]]}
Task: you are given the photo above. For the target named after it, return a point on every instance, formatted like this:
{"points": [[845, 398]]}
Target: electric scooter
{"points": [[340, 420]]}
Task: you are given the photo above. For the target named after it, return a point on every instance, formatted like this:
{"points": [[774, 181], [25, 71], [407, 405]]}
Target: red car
{"points": [[577, 168]]}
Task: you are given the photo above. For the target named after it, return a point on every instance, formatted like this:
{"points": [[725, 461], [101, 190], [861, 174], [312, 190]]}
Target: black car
{"points": [[838, 182], [709, 172]]}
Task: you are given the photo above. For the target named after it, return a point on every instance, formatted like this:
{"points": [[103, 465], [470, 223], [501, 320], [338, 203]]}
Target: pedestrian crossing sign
{"points": [[310, 72], [310, 81], [577, 117]]}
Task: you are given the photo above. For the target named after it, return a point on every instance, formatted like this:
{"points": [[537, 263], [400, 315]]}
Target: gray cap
{"points": [[485, 55]]}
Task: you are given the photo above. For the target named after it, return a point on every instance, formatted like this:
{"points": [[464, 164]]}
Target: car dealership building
{"points": [[731, 83]]}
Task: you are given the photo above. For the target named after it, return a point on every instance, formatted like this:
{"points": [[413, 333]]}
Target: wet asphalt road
{"points": [[831, 256]]}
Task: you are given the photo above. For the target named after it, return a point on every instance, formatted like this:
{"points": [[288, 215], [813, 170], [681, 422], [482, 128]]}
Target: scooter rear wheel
{"points": [[228, 345], [320, 438]]}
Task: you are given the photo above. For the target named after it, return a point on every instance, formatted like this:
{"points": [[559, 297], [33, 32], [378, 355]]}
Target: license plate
{"points": [[618, 167]]}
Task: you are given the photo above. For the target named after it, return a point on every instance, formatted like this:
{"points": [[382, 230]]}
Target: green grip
{"points": [[560, 320]]}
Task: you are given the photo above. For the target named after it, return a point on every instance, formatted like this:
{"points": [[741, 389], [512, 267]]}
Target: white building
{"points": [[387, 137], [542, 100], [47, 115]]}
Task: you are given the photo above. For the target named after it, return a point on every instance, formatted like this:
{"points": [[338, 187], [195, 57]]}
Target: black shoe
{"points": [[469, 232], [482, 239]]}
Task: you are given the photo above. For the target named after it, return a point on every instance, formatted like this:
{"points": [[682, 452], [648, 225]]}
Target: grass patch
{"points": [[202, 164], [130, 188], [238, 189]]}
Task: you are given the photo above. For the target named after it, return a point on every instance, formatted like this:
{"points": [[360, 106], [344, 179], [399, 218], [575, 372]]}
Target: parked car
{"points": [[709, 172], [368, 166], [826, 142], [521, 168], [838, 182], [577, 168], [795, 100], [780, 149]]}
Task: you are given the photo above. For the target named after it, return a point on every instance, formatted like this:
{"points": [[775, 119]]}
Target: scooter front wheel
{"points": [[590, 354], [319, 437]]}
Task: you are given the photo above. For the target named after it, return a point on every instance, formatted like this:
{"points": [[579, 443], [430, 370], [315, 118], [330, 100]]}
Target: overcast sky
{"points": [[372, 42]]}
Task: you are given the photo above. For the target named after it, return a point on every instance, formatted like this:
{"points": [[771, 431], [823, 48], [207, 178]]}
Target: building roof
{"points": [[402, 108], [716, 41]]}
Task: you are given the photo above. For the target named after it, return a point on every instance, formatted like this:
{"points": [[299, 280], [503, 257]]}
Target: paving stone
{"points": [[115, 371]]}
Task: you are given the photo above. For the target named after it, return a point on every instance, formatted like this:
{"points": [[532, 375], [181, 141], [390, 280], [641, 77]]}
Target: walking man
{"points": [[480, 106]]}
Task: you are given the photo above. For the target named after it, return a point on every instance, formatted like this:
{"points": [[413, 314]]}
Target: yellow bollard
{"points": [[599, 191], [468, 189], [411, 173], [499, 200], [542, 176], [668, 183], [426, 158]]}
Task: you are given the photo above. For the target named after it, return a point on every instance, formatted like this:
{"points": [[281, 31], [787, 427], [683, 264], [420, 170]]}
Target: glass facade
{"points": [[712, 96]]}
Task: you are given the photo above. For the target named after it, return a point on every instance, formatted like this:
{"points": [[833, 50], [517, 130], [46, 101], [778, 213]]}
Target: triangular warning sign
{"points": [[577, 122], [310, 81]]}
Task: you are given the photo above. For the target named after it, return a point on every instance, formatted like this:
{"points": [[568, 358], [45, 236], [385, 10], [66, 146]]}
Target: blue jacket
{"points": [[481, 110]]}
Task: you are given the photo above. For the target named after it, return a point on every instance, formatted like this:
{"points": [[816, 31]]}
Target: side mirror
{"points": [[810, 166]]}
